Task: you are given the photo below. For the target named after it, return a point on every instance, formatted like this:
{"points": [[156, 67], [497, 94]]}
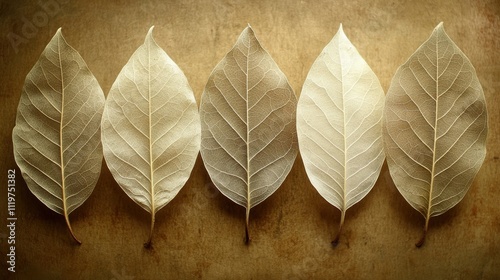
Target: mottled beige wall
{"points": [[200, 233]]}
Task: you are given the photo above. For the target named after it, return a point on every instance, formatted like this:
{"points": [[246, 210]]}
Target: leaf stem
{"points": [[422, 239], [335, 241], [71, 230], [148, 244], [247, 234]]}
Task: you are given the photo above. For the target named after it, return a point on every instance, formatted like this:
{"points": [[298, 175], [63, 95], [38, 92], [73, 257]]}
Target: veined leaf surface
{"points": [[248, 124], [339, 125], [151, 128], [57, 140], [435, 126]]}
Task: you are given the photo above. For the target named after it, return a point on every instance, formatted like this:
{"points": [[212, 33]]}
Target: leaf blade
{"points": [[57, 134], [435, 106], [339, 125], [151, 129], [248, 119]]}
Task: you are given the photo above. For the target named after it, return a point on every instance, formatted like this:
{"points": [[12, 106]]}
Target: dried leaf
{"points": [[435, 126], [56, 139], [151, 128], [248, 124], [339, 125]]}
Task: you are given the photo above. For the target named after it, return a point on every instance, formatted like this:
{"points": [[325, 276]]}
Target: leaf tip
{"points": [[341, 33], [150, 31], [149, 36], [247, 34], [58, 33], [248, 30], [439, 27]]}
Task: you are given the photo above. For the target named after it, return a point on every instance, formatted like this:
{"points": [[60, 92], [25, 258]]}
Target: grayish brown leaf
{"points": [[435, 126], [248, 124]]}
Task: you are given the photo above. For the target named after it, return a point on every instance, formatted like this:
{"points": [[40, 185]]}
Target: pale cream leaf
{"points": [[339, 125], [151, 128], [57, 140]]}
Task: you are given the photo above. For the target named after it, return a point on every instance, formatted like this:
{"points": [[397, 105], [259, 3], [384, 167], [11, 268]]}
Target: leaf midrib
{"points": [[61, 127], [151, 171], [433, 169], [248, 125], [344, 191]]}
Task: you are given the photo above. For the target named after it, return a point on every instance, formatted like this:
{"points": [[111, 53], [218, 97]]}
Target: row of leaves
{"points": [[432, 126]]}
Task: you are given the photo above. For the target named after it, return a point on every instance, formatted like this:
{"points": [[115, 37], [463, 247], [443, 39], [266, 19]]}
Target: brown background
{"points": [[200, 233]]}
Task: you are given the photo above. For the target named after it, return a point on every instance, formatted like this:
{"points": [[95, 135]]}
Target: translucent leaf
{"points": [[339, 125], [57, 142], [435, 126], [248, 124], [151, 128]]}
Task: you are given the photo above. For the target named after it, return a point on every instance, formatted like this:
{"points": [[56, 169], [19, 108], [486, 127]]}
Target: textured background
{"points": [[200, 233]]}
